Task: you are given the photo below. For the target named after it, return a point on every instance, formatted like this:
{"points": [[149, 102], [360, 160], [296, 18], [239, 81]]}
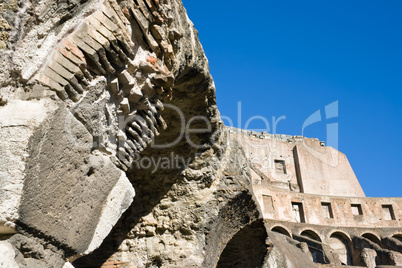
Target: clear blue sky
{"points": [[291, 58]]}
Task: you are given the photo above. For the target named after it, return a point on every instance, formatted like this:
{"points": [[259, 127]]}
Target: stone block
{"points": [[150, 123], [91, 113], [136, 126], [142, 104], [158, 104], [326, 171], [141, 20], [124, 156], [109, 24], [105, 20], [148, 89], [126, 79], [114, 86], [7, 254], [138, 133], [89, 51], [99, 32], [166, 47], [125, 106], [148, 67], [134, 146], [114, 57], [134, 136], [31, 253], [71, 194], [67, 64], [83, 34], [55, 76], [128, 149], [66, 74], [151, 5], [18, 121], [75, 60], [135, 94], [60, 91], [146, 126], [144, 25], [160, 80], [72, 94], [158, 32], [119, 20], [161, 122], [145, 10], [71, 47], [174, 34], [108, 35], [112, 5]]}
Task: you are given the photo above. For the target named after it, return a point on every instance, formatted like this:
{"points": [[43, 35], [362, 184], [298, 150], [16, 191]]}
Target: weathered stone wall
{"points": [[298, 163], [189, 219], [330, 210], [113, 154], [81, 96], [326, 171]]}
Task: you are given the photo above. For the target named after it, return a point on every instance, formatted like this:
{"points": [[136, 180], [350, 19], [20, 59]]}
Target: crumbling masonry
{"points": [[102, 163]]}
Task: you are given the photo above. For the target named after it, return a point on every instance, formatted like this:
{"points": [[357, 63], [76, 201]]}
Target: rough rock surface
{"points": [[18, 118], [33, 252], [113, 153], [286, 254], [67, 190], [82, 93], [7, 254]]}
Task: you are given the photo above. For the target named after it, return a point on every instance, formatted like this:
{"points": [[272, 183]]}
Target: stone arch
{"points": [[311, 234], [247, 248], [340, 233], [398, 236], [341, 245], [237, 231], [281, 230], [372, 237]]}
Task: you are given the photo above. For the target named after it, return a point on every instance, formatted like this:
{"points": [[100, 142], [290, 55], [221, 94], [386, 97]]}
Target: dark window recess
{"points": [[356, 209], [280, 166], [388, 212], [327, 210], [298, 212]]}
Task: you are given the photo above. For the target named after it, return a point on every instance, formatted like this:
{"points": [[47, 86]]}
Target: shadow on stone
{"points": [[247, 248]]}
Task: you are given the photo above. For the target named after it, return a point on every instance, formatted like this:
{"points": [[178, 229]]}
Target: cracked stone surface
{"points": [[113, 154]]}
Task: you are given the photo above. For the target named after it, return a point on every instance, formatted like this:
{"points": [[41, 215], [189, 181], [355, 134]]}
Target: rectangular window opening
{"points": [[327, 210], [268, 204], [280, 166], [298, 212], [356, 209], [388, 212]]}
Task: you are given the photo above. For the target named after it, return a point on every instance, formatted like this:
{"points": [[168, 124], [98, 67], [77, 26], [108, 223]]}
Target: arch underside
{"points": [[247, 248]]}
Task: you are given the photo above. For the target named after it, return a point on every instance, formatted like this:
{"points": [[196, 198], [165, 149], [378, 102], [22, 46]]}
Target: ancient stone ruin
{"points": [[113, 154]]}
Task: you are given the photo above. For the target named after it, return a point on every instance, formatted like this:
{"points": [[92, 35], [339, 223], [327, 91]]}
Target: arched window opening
{"points": [[339, 243], [280, 230], [247, 248], [311, 234], [398, 236], [372, 238]]}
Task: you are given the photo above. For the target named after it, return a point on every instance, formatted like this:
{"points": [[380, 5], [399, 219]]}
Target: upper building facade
{"points": [[309, 192]]}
